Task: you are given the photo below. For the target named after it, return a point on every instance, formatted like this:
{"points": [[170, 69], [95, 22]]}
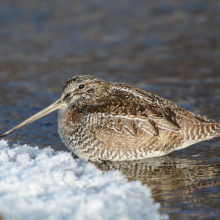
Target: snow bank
{"points": [[44, 184]]}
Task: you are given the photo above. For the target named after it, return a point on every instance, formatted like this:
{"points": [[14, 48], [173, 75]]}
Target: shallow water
{"points": [[170, 48]]}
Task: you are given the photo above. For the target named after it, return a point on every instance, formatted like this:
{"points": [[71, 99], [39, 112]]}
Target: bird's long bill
{"points": [[56, 105]]}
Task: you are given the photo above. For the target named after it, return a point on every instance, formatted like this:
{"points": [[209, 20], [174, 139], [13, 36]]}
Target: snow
{"points": [[43, 184]]}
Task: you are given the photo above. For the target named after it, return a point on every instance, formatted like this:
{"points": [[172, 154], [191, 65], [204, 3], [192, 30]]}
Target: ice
{"points": [[43, 184]]}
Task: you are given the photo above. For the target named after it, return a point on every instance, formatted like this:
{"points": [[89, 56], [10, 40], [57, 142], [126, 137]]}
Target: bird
{"points": [[108, 121]]}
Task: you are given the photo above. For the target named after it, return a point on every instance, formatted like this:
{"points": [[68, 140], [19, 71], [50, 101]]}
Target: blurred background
{"points": [[169, 47]]}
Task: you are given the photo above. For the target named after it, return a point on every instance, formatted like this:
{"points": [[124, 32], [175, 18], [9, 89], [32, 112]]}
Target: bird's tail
{"points": [[218, 128]]}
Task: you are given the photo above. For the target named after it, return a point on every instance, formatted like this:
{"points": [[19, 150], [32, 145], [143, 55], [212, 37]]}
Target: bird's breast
{"points": [[69, 125]]}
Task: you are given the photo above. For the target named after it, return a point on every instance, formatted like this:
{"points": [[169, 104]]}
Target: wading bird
{"points": [[101, 120]]}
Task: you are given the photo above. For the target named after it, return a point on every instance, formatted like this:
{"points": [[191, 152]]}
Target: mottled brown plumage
{"points": [[101, 120]]}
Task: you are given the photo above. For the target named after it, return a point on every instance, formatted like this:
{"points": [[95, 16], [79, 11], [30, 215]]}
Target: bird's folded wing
{"points": [[129, 121]]}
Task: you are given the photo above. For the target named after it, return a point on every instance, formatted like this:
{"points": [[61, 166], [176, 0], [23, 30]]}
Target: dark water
{"points": [[171, 48]]}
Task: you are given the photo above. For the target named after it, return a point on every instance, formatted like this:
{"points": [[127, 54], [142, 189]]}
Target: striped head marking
{"points": [[83, 89]]}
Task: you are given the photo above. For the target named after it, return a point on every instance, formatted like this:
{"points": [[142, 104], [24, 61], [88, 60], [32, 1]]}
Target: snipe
{"points": [[101, 120]]}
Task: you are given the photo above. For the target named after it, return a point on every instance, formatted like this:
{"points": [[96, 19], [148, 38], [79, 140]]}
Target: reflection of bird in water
{"points": [[166, 174], [113, 121]]}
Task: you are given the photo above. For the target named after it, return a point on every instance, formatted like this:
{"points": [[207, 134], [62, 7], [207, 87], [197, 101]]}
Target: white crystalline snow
{"points": [[44, 184]]}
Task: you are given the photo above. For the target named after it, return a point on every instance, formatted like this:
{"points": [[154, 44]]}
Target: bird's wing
{"points": [[118, 119]]}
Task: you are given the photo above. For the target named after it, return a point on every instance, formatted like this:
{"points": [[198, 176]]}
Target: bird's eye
{"points": [[81, 86]]}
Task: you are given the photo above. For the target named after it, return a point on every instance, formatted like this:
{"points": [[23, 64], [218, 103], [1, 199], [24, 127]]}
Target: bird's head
{"points": [[83, 90]]}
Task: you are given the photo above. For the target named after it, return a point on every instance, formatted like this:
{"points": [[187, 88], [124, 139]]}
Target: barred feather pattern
{"points": [[128, 123]]}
